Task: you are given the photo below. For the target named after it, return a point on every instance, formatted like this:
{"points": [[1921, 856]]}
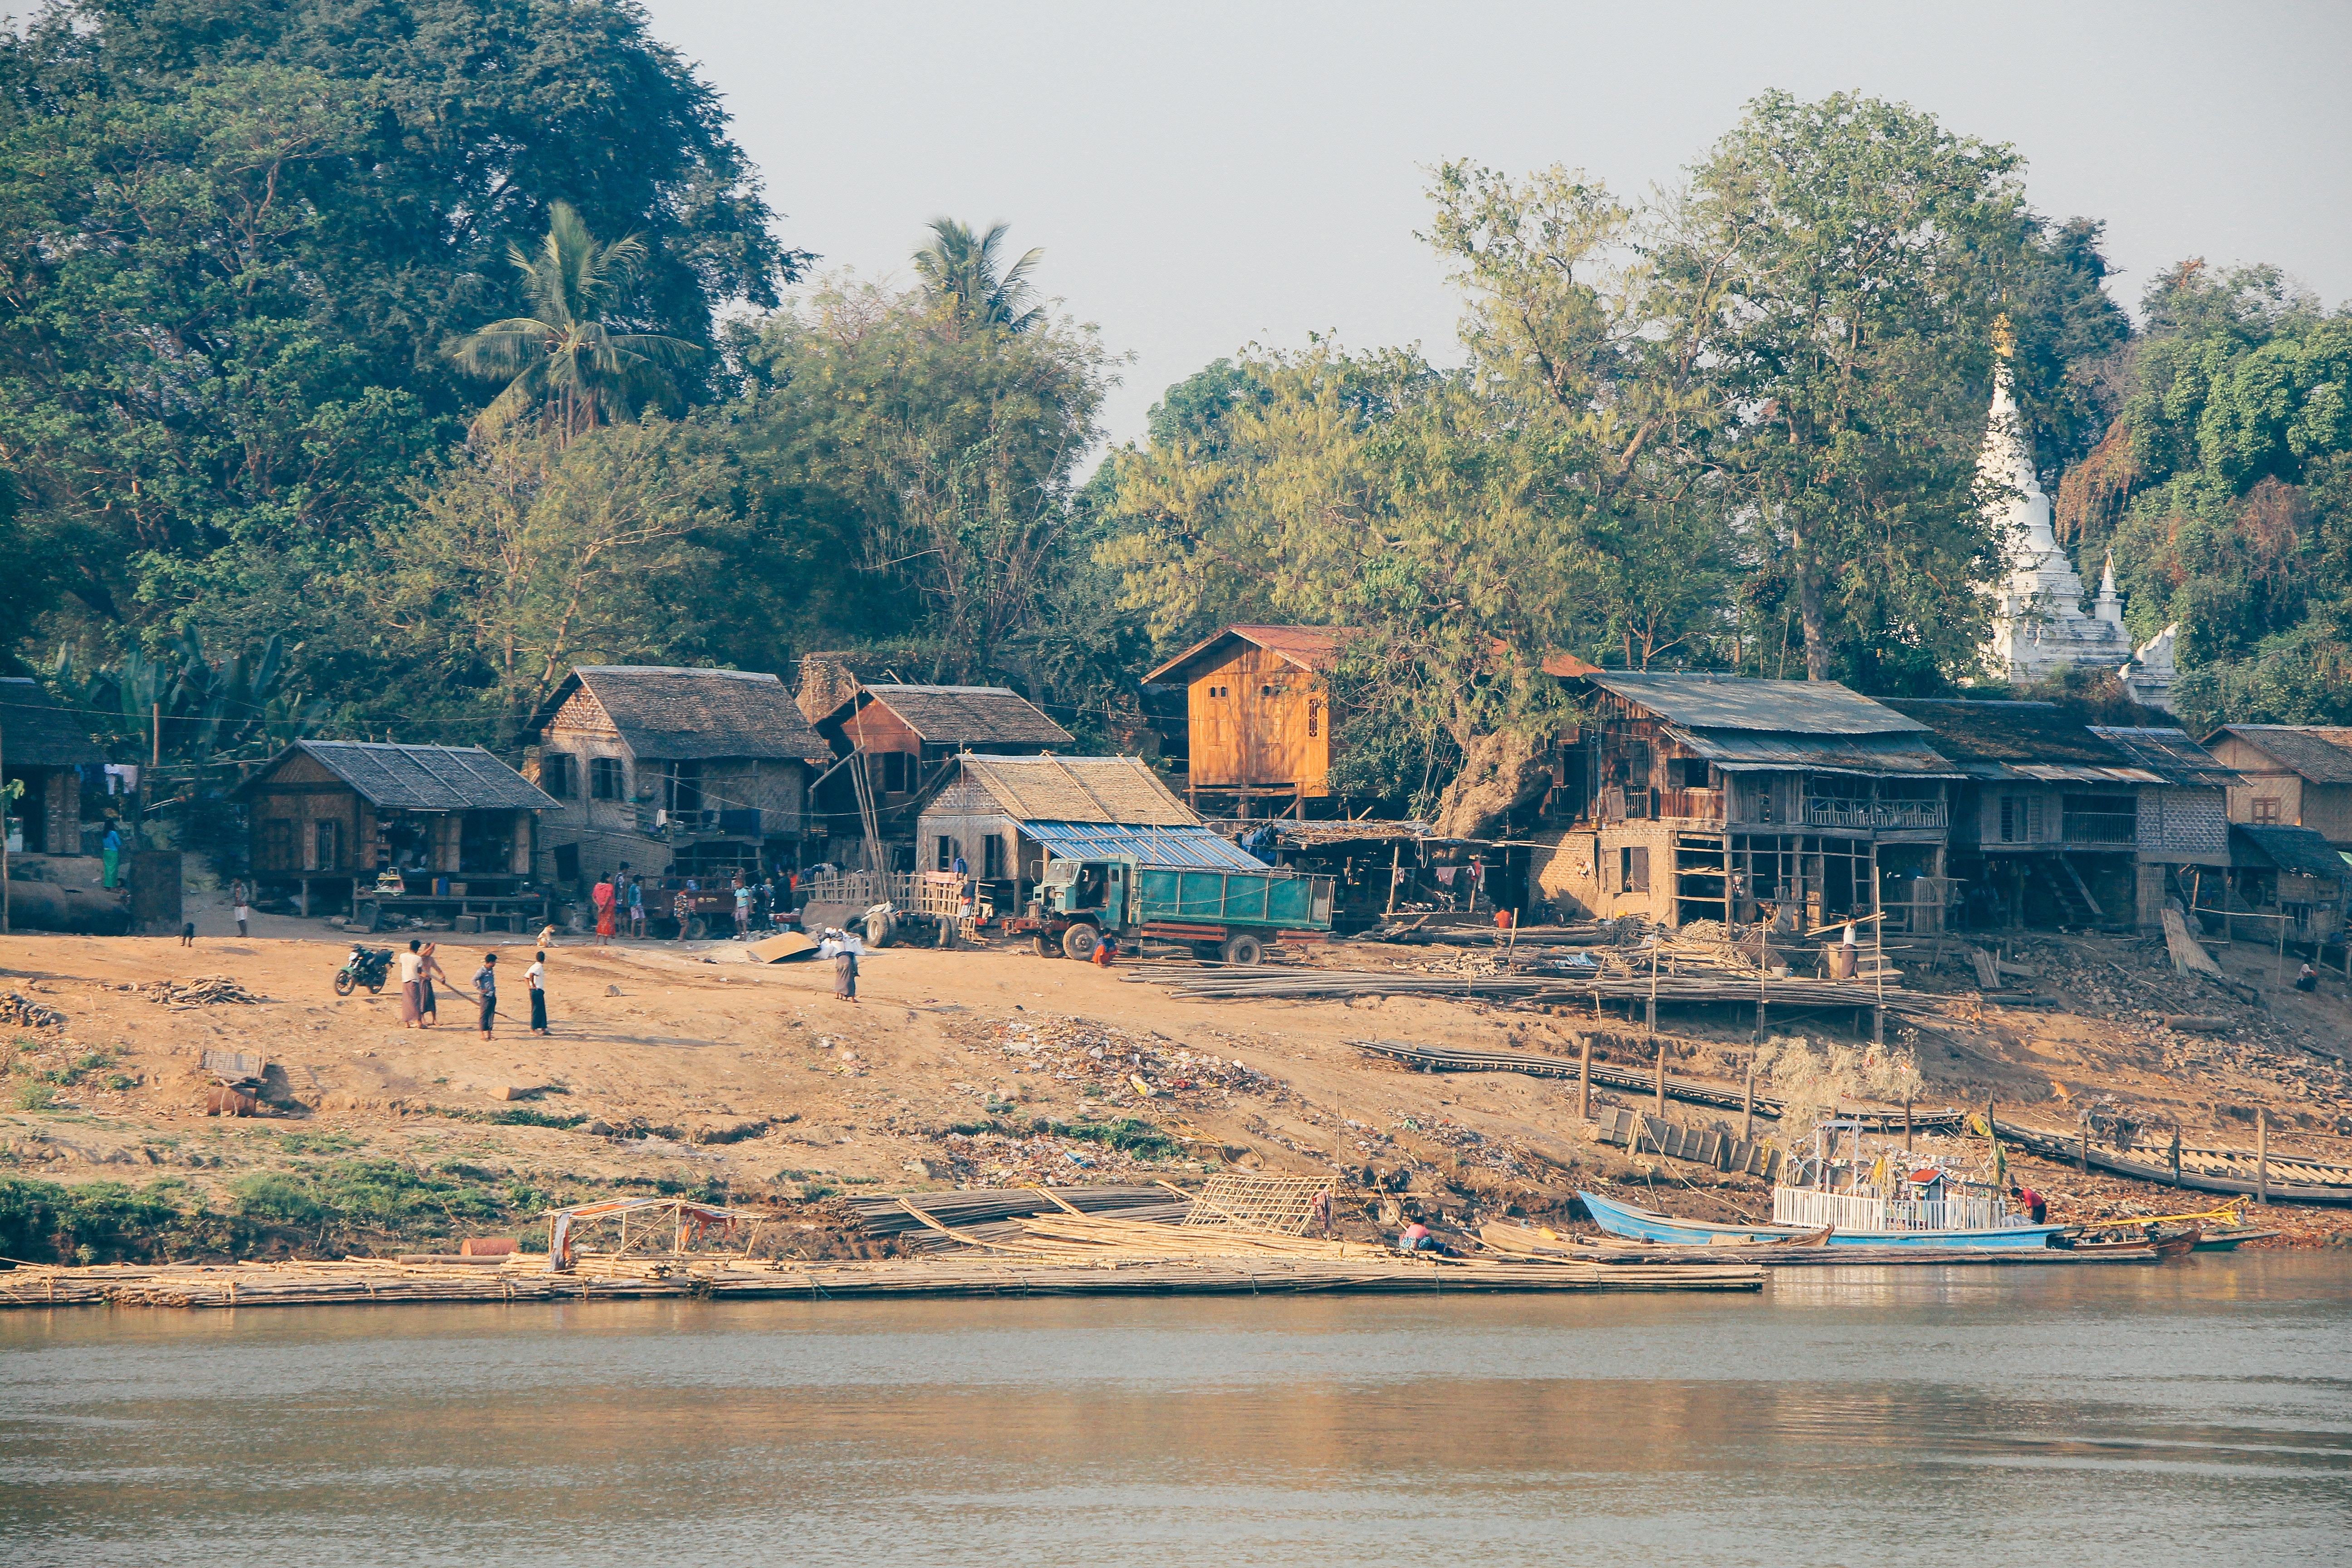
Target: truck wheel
{"points": [[1045, 945], [947, 931], [344, 982], [696, 928], [881, 931], [1080, 941], [1242, 951]]}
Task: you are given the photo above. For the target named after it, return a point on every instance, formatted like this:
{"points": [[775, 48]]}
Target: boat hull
{"points": [[1641, 1224]]}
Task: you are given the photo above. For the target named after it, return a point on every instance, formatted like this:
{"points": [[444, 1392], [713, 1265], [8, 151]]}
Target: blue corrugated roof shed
{"points": [[1194, 848]]}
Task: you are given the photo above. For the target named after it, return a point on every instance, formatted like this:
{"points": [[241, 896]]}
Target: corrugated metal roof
{"points": [[415, 778], [2035, 732], [1741, 751], [2050, 773], [1196, 848], [2298, 850], [35, 732], [1735, 702], [1309, 648], [2170, 753], [2320, 752]]}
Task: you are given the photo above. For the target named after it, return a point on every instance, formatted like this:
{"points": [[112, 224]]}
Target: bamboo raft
{"points": [[1046, 1270]]}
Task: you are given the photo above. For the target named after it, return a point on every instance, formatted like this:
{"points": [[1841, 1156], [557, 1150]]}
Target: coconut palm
{"points": [[562, 355], [962, 268]]}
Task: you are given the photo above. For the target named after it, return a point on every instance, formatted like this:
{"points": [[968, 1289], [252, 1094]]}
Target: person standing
{"points": [[841, 948], [537, 975], [603, 896], [486, 990], [111, 849], [412, 987], [683, 908], [742, 909], [240, 899], [429, 1005], [637, 907]]}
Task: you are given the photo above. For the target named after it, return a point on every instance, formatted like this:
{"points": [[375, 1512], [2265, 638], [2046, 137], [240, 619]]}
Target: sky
{"points": [[1202, 177]]}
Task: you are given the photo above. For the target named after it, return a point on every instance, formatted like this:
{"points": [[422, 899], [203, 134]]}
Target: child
{"points": [[537, 975], [485, 986]]}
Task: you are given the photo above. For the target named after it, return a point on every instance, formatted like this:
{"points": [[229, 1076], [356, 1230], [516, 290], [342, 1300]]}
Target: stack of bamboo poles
{"points": [[1249, 986]]}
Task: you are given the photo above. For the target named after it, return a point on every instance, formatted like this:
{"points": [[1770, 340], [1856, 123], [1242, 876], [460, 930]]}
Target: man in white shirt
{"points": [[537, 975], [412, 984]]}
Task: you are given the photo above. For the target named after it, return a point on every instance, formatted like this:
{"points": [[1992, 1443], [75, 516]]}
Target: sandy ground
{"points": [[691, 1064]]}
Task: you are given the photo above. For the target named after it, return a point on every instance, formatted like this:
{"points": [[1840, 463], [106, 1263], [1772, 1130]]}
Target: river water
{"points": [[2198, 1411]]}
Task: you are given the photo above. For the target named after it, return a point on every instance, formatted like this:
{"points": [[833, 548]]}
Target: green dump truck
{"points": [[1220, 914]]}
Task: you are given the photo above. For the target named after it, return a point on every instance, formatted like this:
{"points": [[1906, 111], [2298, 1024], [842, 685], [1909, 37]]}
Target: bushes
{"points": [[103, 1222]]}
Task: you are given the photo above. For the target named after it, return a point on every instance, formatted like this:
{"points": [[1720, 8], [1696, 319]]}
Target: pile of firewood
{"points": [[198, 991], [15, 1009]]}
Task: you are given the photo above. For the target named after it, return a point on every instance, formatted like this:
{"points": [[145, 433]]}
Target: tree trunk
{"points": [[1500, 771], [1809, 612]]}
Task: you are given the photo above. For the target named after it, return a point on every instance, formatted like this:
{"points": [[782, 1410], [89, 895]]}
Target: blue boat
{"points": [[1643, 1224]]}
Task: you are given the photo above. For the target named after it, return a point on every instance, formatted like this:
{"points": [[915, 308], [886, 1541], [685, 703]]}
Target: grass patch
{"points": [[1128, 1135], [519, 1116]]}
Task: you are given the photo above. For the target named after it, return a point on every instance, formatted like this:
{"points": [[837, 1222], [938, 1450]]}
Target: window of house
{"points": [[1688, 773], [893, 772], [1314, 714], [557, 775], [991, 856], [330, 845], [604, 778], [2021, 818], [567, 862], [2266, 808], [1633, 869], [277, 845], [947, 853]]}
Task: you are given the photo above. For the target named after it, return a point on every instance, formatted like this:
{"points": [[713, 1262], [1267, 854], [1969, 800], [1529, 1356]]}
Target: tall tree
{"points": [[1842, 262], [964, 272], [233, 236], [563, 357]]}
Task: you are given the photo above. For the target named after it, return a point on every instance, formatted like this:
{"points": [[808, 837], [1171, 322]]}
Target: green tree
{"points": [[235, 236], [963, 271], [563, 357], [956, 452], [1839, 263]]}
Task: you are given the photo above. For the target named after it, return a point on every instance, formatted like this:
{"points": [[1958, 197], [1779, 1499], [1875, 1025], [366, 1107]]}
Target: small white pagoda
{"points": [[2038, 625]]}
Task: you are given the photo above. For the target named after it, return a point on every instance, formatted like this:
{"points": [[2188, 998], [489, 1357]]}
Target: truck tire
{"points": [[696, 928], [1045, 945], [1242, 951], [881, 931], [947, 934], [1080, 941]]}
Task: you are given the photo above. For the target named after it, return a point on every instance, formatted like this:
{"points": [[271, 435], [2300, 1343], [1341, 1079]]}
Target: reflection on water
{"points": [[2199, 1412]]}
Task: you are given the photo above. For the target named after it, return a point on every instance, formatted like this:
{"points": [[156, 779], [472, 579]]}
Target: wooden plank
{"points": [[2188, 955]]}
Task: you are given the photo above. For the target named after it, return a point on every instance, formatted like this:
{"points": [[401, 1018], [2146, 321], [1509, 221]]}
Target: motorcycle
{"points": [[366, 966]]}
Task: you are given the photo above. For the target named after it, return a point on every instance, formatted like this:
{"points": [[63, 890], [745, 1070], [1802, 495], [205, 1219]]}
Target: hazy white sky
{"points": [[1203, 177]]}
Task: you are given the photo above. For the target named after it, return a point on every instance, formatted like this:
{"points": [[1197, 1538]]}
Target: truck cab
{"points": [[1097, 888]]}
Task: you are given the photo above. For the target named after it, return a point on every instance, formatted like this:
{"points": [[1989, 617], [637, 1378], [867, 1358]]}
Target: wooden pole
{"points": [[1906, 1124], [1584, 1082], [1748, 1104], [2262, 1154], [2082, 1147], [1396, 873], [1653, 1017], [1662, 1078]]}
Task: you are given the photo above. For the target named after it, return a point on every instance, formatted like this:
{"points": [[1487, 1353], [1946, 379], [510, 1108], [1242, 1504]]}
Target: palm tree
{"points": [[562, 352], [960, 268]]}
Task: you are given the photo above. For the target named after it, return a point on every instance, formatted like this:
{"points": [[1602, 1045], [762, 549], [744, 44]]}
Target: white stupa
{"points": [[2038, 625]]}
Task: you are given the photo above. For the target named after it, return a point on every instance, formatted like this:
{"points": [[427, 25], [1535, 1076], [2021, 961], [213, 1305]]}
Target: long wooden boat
{"points": [[2230, 1240], [1643, 1224]]}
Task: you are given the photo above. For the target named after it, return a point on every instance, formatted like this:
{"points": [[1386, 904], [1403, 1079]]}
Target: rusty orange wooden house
{"points": [[1257, 716]]}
